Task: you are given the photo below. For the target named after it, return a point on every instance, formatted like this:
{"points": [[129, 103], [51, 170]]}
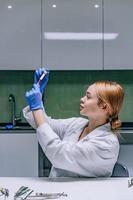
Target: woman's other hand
{"points": [[34, 98]]}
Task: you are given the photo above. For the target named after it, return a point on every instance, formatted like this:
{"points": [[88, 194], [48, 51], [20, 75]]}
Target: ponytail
{"points": [[115, 123]]}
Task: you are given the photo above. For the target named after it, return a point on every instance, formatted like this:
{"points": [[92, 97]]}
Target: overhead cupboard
{"points": [[66, 35], [72, 34], [20, 33], [118, 51]]}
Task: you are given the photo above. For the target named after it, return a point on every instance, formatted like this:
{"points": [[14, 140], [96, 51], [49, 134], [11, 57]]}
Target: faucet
{"points": [[11, 98]]}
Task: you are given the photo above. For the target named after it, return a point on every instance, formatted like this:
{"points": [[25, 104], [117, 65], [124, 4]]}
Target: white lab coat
{"points": [[93, 156]]}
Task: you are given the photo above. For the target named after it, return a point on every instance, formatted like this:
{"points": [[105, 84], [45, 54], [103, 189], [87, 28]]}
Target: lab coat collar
{"points": [[104, 129]]}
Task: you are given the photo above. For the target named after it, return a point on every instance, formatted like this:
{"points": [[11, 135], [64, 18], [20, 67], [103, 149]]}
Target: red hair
{"points": [[112, 94]]}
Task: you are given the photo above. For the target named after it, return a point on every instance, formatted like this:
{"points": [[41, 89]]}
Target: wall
{"points": [[63, 92]]}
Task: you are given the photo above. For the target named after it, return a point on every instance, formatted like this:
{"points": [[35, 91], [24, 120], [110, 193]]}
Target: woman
{"points": [[77, 146]]}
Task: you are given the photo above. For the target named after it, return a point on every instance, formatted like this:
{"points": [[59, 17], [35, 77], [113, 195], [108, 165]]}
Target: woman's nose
{"points": [[82, 100]]}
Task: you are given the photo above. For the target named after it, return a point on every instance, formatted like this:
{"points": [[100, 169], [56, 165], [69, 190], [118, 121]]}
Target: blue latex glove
{"points": [[44, 81], [34, 98]]}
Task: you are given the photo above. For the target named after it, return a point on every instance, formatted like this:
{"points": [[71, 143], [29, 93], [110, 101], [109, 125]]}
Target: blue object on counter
{"points": [[9, 126]]}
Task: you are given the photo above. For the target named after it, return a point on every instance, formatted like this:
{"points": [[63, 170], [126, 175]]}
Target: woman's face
{"points": [[89, 104]]}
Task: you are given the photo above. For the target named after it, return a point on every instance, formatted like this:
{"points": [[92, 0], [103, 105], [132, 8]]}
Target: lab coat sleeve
{"points": [[81, 157], [58, 125], [29, 117]]}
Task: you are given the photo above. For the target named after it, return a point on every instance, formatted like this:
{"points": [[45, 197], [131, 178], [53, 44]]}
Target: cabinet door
{"points": [[72, 34], [125, 157], [20, 34], [118, 50], [18, 155]]}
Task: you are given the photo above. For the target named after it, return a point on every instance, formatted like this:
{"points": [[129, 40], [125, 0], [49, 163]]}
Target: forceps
{"points": [[43, 196]]}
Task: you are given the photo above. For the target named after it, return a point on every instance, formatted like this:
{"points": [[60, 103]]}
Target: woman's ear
{"points": [[103, 106]]}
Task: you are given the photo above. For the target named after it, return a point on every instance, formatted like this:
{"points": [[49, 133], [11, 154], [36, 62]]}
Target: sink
{"points": [[20, 126]]}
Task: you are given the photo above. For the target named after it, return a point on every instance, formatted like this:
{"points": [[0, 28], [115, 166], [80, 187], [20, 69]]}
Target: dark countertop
{"points": [[127, 125], [126, 133], [126, 136], [19, 126], [17, 131]]}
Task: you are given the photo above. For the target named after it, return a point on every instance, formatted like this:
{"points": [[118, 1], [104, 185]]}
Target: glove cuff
{"points": [[37, 107]]}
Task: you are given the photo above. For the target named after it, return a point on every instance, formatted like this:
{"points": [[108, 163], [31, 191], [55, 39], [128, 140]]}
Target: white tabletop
{"points": [[76, 189]]}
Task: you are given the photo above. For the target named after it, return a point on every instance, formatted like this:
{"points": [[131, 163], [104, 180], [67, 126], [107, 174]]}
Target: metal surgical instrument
{"points": [[22, 193], [130, 182], [4, 192], [43, 196]]}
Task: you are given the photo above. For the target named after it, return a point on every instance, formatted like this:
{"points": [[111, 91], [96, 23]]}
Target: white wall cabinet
{"points": [[72, 34], [66, 35], [18, 155], [118, 51], [20, 34]]}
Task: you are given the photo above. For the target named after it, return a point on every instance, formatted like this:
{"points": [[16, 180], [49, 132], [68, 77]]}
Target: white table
{"points": [[76, 189]]}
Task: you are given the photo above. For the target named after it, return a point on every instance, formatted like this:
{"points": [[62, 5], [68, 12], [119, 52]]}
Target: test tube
{"points": [[42, 76]]}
